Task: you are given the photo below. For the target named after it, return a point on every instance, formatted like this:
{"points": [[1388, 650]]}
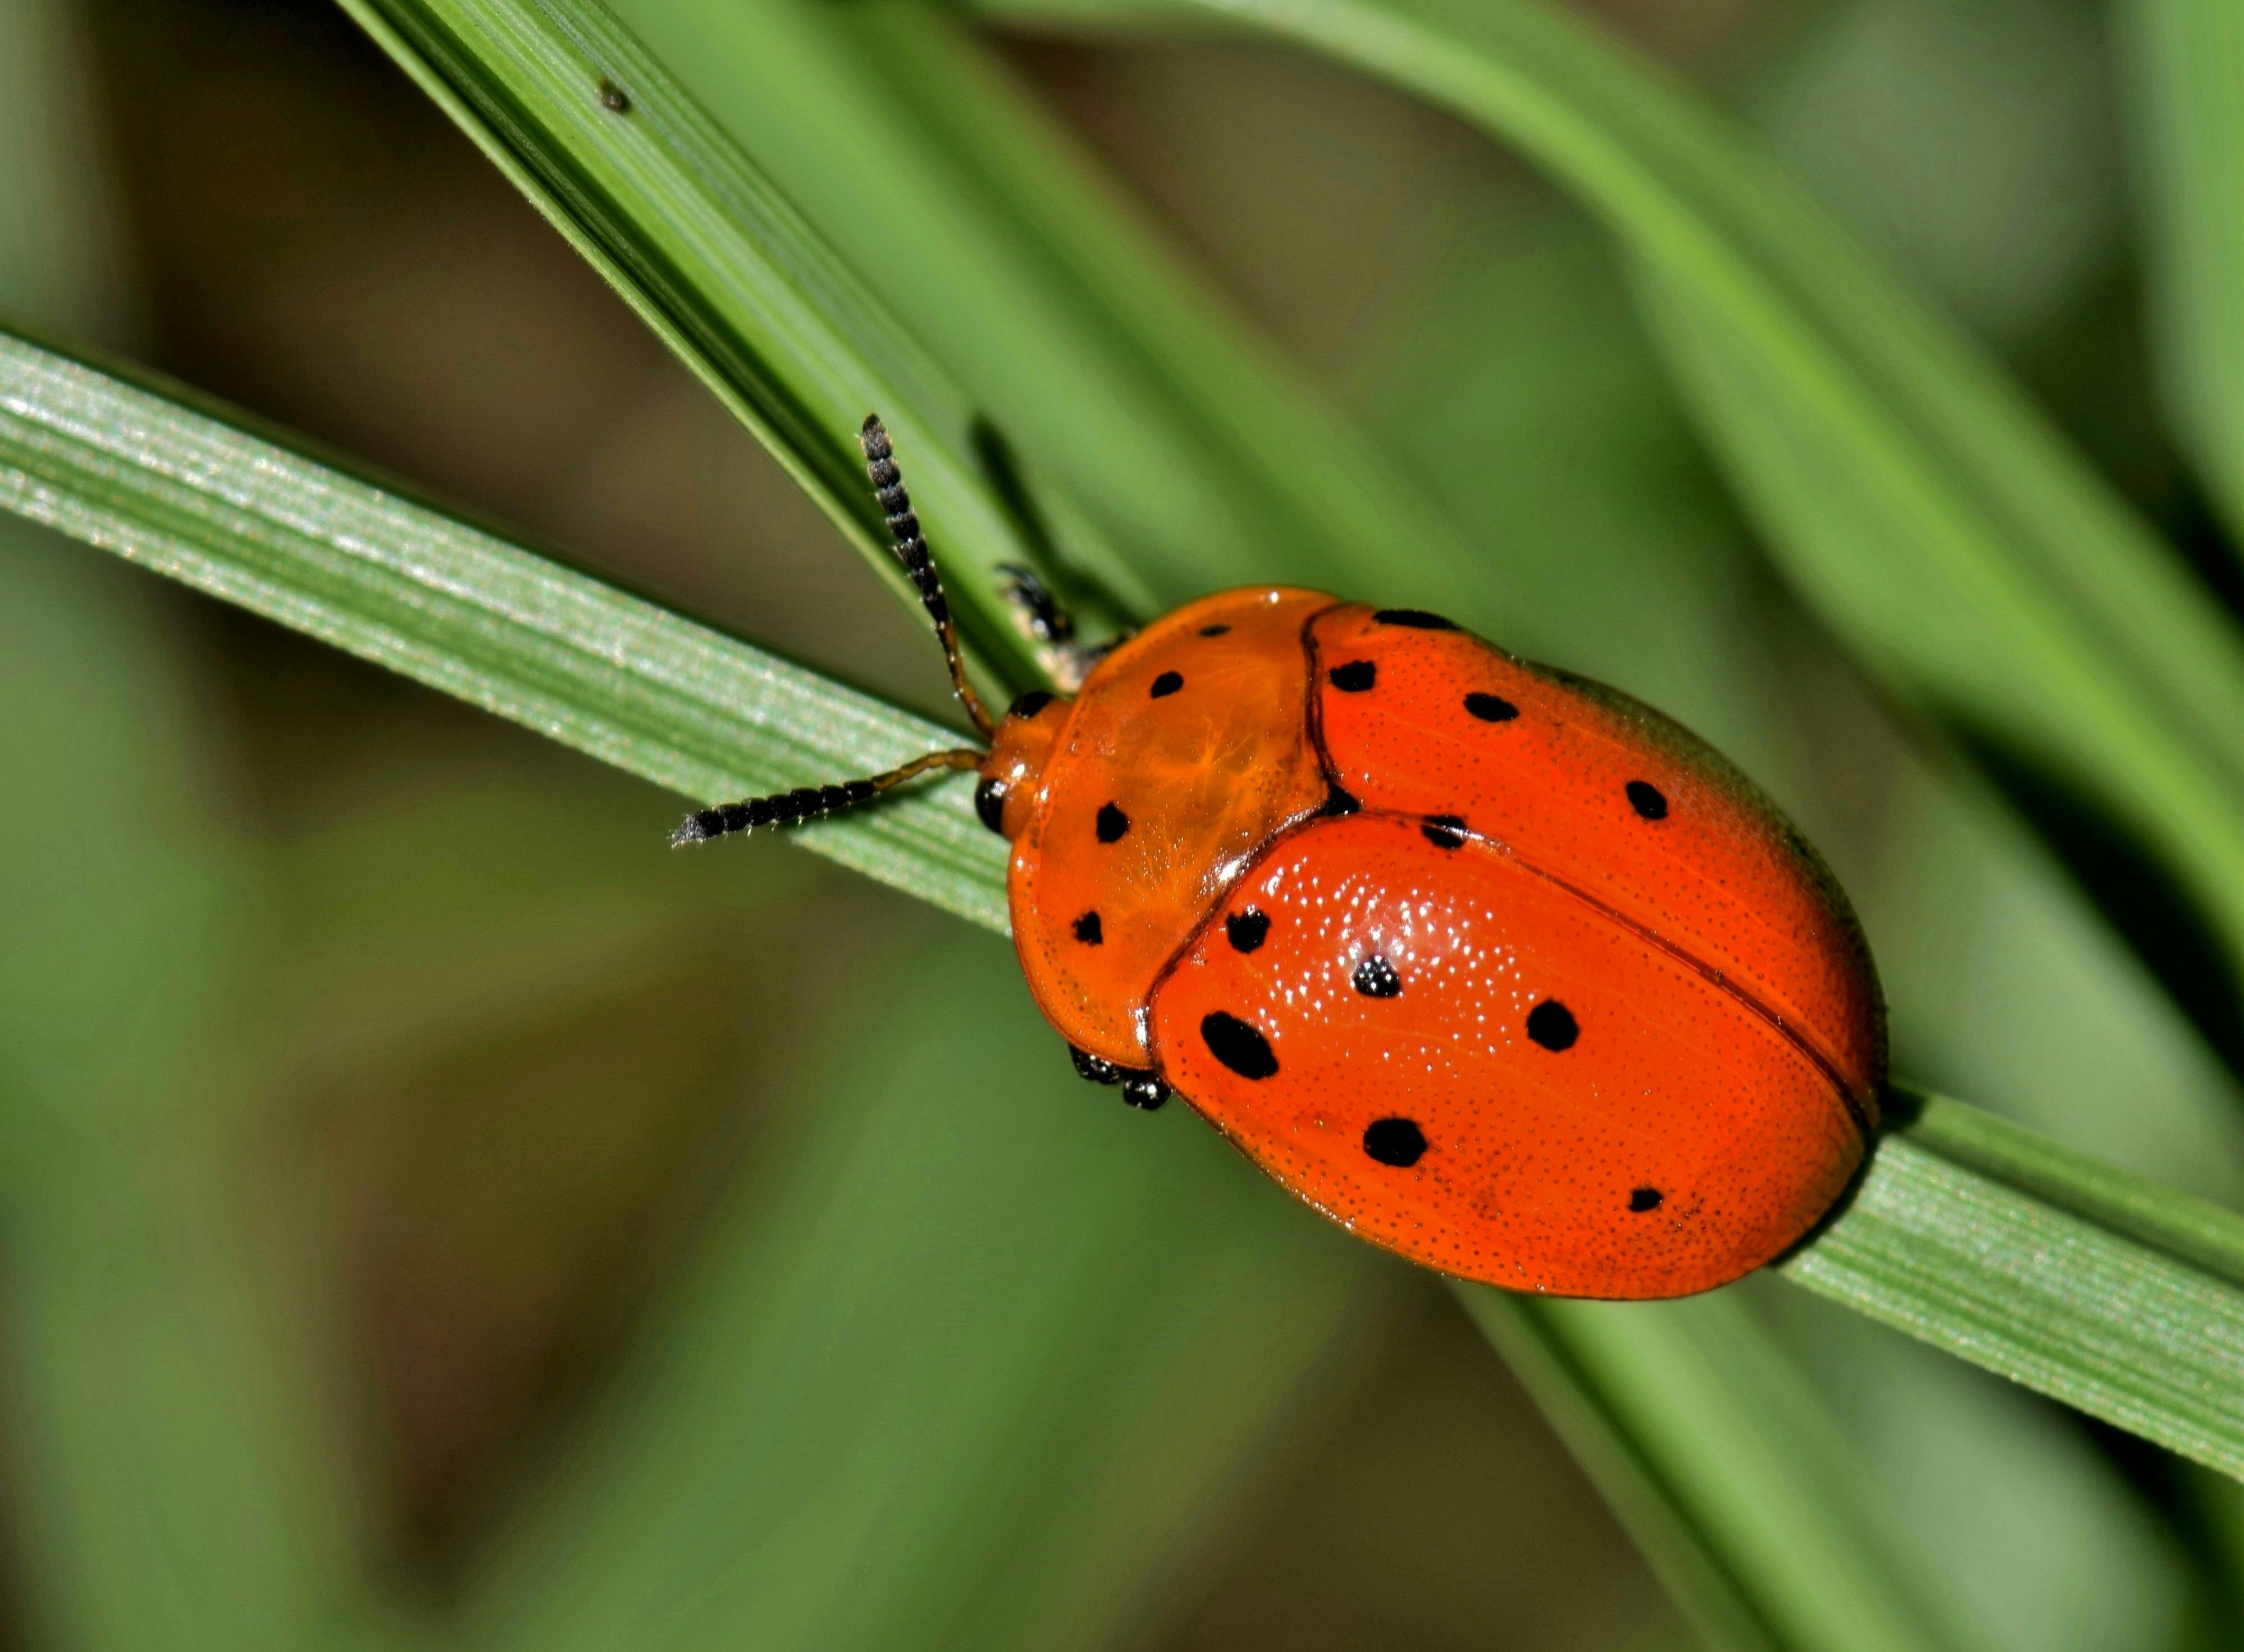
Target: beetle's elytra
{"points": [[1492, 965]]}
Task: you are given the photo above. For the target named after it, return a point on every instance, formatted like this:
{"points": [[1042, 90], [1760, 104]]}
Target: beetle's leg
{"points": [[1140, 1089], [1041, 616], [1051, 628], [1097, 1069], [1144, 1090]]}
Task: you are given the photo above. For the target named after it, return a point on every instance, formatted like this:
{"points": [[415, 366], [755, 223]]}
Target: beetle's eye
{"points": [[990, 803]]}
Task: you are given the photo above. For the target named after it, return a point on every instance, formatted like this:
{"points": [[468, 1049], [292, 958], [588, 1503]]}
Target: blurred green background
{"points": [[430, 1211]]}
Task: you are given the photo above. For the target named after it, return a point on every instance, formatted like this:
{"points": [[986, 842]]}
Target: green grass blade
{"points": [[2117, 1296], [1921, 506], [698, 241], [247, 518], [1755, 1512], [1192, 456], [2111, 1295], [2184, 71], [916, 151], [2205, 1235]]}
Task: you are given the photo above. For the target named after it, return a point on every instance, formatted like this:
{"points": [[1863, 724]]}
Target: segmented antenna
{"points": [[911, 550], [809, 802]]}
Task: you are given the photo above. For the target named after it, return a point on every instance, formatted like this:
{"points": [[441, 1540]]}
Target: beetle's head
{"points": [[1018, 751], [1020, 744]]}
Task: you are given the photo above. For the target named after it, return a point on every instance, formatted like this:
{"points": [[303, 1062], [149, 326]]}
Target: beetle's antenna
{"points": [[808, 803], [911, 550]]}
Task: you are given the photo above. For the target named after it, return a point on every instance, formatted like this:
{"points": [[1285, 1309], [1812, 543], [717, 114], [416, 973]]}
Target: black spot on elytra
{"points": [[1647, 800], [1113, 823], [1338, 802], [1247, 930], [1089, 930], [1355, 677], [1444, 831], [1417, 619], [1167, 684], [1552, 1025], [1238, 1046], [1644, 1198], [990, 803], [1214, 630], [1375, 978], [1491, 708], [1397, 1142], [1028, 703]]}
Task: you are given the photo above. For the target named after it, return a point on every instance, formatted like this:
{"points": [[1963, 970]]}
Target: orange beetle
{"points": [[1493, 965]]}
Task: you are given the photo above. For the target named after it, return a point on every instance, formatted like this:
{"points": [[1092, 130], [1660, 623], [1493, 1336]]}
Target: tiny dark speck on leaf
{"points": [[613, 97]]}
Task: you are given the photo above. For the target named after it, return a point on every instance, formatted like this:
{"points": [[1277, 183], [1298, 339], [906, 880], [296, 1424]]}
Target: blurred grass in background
{"points": [[716, 1249]]}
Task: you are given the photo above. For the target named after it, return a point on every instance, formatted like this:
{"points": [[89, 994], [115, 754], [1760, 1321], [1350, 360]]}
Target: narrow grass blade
{"points": [[2117, 1296], [247, 516], [1727, 1471], [2183, 68], [982, 225], [1192, 456], [1920, 505], [605, 142]]}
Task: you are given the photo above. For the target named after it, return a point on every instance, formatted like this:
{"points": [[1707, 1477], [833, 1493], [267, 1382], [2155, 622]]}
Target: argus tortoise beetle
{"points": [[1492, 965]]}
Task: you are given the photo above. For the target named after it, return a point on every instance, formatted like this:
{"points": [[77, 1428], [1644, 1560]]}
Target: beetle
{"points": [[1492, 965]]}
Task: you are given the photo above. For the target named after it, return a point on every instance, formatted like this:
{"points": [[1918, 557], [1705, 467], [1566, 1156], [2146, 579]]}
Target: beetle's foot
{"points": [[1141, 1089], [1093, 1068], [1144, 1090], [1037, 609], [1051, 628]]}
